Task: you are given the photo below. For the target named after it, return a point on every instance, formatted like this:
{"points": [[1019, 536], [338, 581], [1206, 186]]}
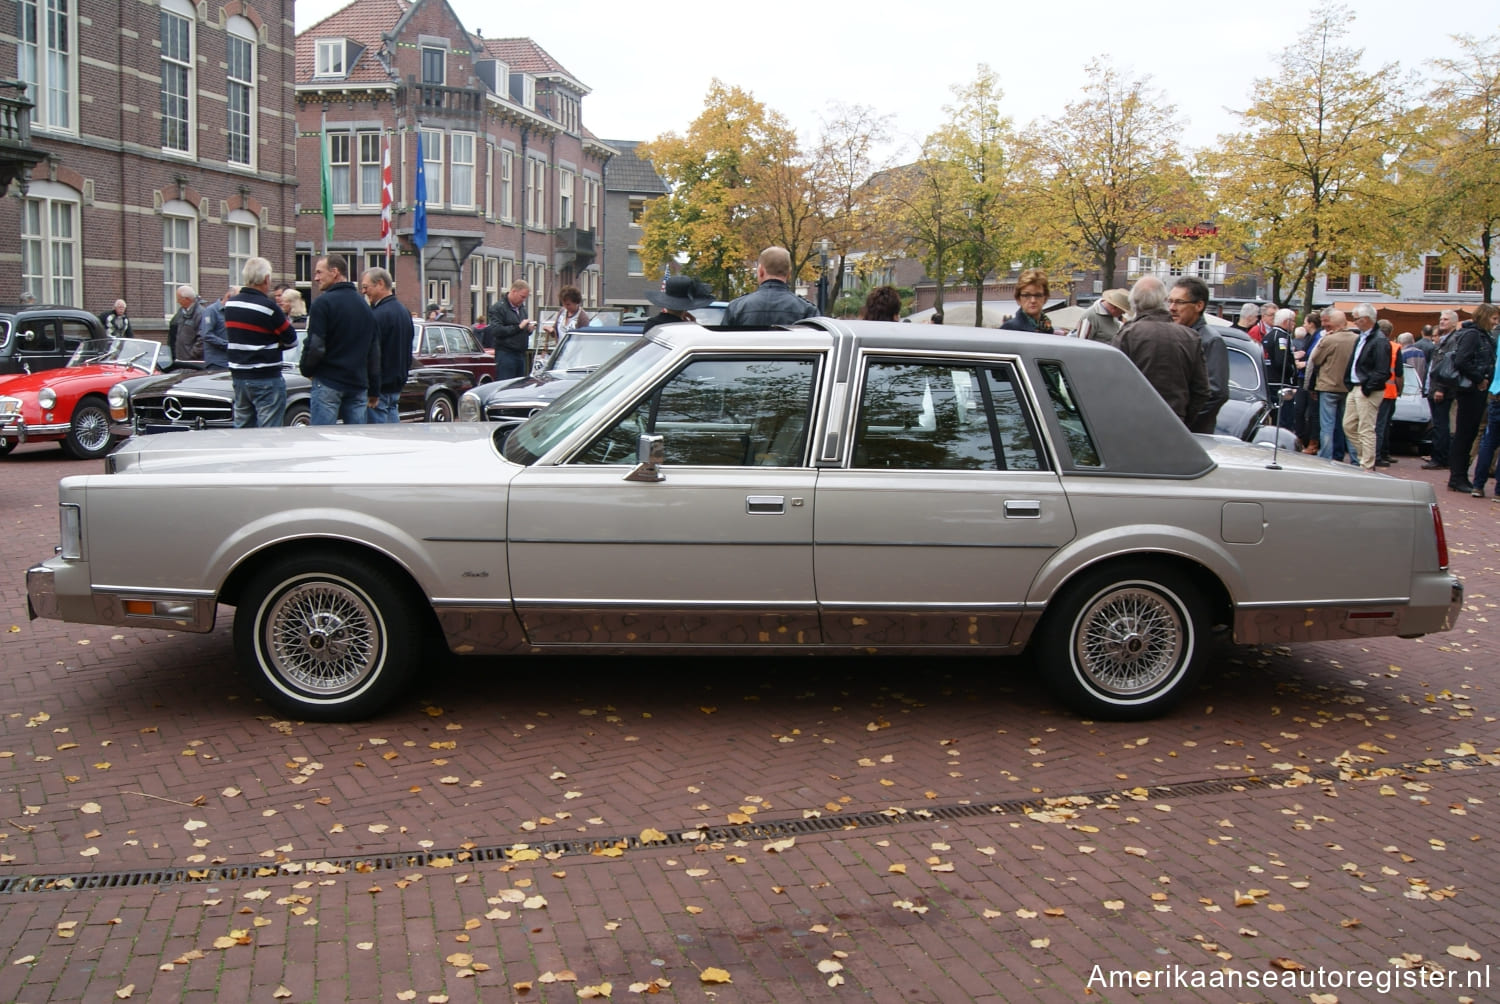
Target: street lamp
{"points": [[823, 247]]}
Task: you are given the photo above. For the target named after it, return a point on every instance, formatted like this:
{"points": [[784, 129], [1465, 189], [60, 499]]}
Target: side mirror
{"points": [[650, 453]]}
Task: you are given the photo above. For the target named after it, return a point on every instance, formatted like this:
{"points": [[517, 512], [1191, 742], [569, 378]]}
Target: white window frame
{"points": [[461, 163], [566, 194], [370, 177], [432, 142], [633, 258], [507, 276], [50, 259], [637, 210], [332, 56], [507, 185], [242, 32], [439, 291], [476, 289], [341, 168], [536, 278], [537, 185], [180, 66], [442, 66], [489, 181], [243, 229], [179, 251], [46, 61]]}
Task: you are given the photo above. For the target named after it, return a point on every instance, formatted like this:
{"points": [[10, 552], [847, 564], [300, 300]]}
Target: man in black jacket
{"points": [[773, 302], [511, 330], [1369, 372], [1186, 302], [394, 334], [341, 357]]}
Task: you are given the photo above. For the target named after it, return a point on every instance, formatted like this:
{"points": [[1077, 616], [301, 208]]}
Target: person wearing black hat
{"points": [[679, 296]]}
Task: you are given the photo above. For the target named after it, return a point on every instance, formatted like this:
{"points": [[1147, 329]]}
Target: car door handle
{"points": [[765, 505], [1023, 509]]}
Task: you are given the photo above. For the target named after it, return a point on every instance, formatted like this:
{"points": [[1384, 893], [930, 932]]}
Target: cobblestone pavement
{"points": [[551, 829]]}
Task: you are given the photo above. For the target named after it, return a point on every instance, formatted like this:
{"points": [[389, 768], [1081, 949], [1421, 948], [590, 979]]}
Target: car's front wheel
{"points": [[1124, 641], [298, 416], [441, 408], [88, 434], [327, 637]]}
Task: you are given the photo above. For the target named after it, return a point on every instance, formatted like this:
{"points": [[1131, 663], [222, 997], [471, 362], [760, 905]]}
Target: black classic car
{"points": [[191, 397], [581, 351]]}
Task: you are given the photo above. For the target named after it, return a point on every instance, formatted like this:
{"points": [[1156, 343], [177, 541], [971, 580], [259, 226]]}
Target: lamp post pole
{"points": [[823, 276]]}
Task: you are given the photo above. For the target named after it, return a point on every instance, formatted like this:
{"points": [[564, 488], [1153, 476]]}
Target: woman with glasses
{"points": [[1031, 295]]}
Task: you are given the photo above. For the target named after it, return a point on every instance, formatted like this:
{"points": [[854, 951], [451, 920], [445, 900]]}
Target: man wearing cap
{"points": [[679, 295], [1102, 320], [773, 302]]}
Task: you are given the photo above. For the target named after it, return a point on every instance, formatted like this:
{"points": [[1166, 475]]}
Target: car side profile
{"points": [[71, 405], [833, 486]]}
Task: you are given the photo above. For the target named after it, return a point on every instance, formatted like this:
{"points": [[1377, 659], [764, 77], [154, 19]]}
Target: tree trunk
{"points": [[979, 303], [1111, 256], [1488, 277]]}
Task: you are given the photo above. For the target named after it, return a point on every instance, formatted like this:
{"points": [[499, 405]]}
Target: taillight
{"points": [[1442, 538]]}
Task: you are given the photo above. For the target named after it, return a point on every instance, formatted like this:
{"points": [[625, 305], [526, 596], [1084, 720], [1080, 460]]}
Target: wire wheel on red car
{"points": [[88, 434]]}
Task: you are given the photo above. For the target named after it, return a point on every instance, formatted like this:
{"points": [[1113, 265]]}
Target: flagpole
{"points": [[325, 156], [419, 225]]}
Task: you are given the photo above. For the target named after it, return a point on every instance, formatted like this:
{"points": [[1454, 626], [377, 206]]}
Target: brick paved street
{"points": [[827, 829]]}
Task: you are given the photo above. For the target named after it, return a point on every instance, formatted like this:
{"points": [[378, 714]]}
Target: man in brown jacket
{"points": [[1168, 355], [1331, 361]]}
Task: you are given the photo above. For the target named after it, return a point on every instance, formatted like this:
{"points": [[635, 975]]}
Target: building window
{"points": [[633, 265], [507, 276], [44, 61], [241, 94], [242, 229], [507, 185], [1337, 275], [49, 245], [1369, 282], [330, 61], [338, 167], [462, 193], [1470, 281], [591, 208], [179, 247], [378, 259], [369, 169], [476, 289], [564, 198], [537, 211], [536, 277], [637, 210], [434, 69], [432, 157], [1434, 275], [438, 292], [176, 82]]}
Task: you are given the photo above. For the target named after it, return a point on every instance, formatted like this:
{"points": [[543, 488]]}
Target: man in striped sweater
{"points": [[258, 333]]}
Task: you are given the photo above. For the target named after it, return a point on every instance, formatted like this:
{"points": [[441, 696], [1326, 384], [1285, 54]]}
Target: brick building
{"points": [[629, 184], [169, 139], [514, 181]]}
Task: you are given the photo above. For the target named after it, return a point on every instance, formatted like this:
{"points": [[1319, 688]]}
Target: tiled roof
{"points": [[362, 21], [524, 55], [629, 173]]}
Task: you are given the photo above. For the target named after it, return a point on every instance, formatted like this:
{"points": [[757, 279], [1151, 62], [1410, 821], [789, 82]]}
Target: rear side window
{"points": [[942, 416], [1065, 408]]}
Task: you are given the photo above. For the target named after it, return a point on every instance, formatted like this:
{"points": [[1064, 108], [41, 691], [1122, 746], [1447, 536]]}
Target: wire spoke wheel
{"points": [[323, 637], [1129, 640]]}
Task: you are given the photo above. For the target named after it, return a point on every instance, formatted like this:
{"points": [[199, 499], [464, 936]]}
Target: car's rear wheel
{"points": [[297, 415], [88, 434], [441, 408], [327, 637], [1124, 641]]}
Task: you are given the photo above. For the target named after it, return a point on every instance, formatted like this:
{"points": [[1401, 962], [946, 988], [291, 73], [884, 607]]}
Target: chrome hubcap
{"points": [[91, 429], [1129, 640], [323, 637]]}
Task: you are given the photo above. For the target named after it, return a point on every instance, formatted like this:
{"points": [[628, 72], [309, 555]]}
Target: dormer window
{"points": [[331, 58], [523, 89]]}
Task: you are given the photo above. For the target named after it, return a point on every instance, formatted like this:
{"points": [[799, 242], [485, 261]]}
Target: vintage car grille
{"points": [[511, 412], [183, 409]]}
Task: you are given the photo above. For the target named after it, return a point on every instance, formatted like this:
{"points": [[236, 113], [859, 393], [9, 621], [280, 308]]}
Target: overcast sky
{"points": [[650, 65]]}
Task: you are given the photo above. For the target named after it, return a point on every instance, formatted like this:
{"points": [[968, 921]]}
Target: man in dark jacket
{"points": [[257, 333], [1186, 303], [341, 356], [1440, 394], [394, 334], [116, 322], [511, 329], [1369, 372], [186, 345], [1169, 355], [773, 302]]}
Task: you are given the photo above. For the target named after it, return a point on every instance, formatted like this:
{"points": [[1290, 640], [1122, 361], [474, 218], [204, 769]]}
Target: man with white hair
{"points": [[1249, 317], [116, 322], [1169, 355], [184, 325], [258, 333], [1369, 371]]}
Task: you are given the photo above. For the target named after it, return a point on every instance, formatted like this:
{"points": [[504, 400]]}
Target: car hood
{"points": [[543, 387], [414, 453], [81, 376]]}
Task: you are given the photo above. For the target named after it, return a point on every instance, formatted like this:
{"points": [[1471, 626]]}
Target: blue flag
{"points": [[419, 215]]}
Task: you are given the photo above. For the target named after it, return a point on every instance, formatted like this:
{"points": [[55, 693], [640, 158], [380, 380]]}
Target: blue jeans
{"points": [[509, 364], [329, 404], [1331, 444], [1488, 445], [259, 403], [387, 412]]}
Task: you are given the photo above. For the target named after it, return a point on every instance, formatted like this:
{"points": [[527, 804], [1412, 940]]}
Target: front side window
{"points": [[49, 250], [462, 193], [720, 413], [45, 62], [178, 238], [943, 416], [241, 101], [176, 82], [432, 156]]}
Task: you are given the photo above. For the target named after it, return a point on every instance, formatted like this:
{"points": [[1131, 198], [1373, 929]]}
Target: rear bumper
{"points": [[1434, 605]]}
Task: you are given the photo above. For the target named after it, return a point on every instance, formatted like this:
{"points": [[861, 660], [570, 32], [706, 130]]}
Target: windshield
{"points": [[585, 351], [580, 402], [137, 352]]}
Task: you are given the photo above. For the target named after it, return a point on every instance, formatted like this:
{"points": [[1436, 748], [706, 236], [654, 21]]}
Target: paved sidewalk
{"points": [[892, 830]]}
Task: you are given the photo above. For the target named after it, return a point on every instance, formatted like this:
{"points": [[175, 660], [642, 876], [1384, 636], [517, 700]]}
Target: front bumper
{"points": [[59, 589], [15, 427]]}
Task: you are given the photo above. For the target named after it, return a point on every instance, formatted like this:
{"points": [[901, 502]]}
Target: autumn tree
{"points": [[1109, 171], [840, 169], [921, 202], [1459, 165], [1310, 181]]}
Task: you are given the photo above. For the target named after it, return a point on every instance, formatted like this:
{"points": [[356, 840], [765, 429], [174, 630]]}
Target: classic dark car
{"points": [[70, 405], [35, 338], [832, 486], [190, 397], [581, 351], [452, 346]]}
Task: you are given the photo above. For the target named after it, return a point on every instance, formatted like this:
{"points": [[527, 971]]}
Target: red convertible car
{"points": [[71, 404]]}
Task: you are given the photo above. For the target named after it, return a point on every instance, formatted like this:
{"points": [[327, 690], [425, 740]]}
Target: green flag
{"points": [[327, 170]]}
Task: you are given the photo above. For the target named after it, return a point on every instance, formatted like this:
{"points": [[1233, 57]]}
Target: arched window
{"points": [[241, 120], [49, 244], [179, 246]]}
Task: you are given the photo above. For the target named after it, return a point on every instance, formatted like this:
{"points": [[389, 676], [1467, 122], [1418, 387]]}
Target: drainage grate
{"points": [[768, 830]]}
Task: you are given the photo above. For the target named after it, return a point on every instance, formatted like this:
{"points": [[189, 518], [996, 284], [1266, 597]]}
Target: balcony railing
{"points": [[17, 155], [435, 99], [573, 246]]}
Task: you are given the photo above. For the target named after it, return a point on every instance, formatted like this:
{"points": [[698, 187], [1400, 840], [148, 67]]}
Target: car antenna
{"points": [[1276, 433]]}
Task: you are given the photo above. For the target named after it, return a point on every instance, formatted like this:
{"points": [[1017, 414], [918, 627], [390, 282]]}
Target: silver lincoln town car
{"points": [[834, 486]]}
